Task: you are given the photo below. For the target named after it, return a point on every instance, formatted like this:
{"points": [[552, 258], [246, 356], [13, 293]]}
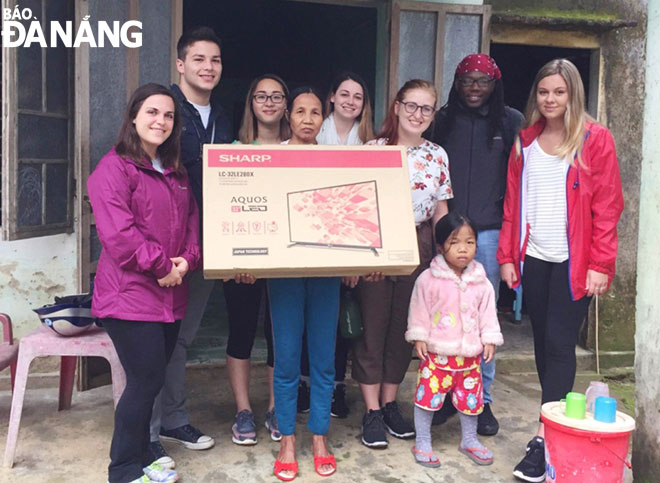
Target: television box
{"points": [[292, 211]]}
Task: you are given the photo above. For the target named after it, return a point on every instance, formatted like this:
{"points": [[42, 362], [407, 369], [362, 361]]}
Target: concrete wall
{"points": [[32, 272], [622, 86], [646, 451]]}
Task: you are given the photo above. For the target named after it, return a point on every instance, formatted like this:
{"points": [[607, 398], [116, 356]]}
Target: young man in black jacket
{"points": [[477, 130], [199, 64]]}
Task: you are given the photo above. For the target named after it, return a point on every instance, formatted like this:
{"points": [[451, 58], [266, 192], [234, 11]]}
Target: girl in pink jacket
{"points": [[453, 322]]}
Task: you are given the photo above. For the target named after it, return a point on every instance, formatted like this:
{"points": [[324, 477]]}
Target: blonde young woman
{"points": [[263, 123], [563, 201], [382, 355]]}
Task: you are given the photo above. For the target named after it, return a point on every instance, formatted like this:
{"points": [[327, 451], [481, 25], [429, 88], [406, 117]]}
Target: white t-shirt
{"points": [[158, 165], [428, 166], [204, 113], [546, 205]]}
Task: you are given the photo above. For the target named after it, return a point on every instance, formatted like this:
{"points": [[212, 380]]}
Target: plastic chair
{"points": [[45, 342], [8, 350]]}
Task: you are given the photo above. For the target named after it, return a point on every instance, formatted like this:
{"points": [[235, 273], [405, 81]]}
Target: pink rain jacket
{"points": [[143, 219], [454, 316]]}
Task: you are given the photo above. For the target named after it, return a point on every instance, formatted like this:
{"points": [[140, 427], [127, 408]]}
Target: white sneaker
{"points": [[160, 456]]}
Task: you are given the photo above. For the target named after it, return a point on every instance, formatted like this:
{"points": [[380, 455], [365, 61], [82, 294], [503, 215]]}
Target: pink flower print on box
{"points": [[344, 215]]}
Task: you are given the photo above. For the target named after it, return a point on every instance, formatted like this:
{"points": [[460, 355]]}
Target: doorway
{"points": [[298, 41]]}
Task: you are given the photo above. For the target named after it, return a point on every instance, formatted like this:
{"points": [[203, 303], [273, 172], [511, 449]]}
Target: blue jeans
{"points": [[296, 305], [486, 250]]}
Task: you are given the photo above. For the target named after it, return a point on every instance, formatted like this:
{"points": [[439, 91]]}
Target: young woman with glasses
{"points": [[264, 122], [382, 355]]}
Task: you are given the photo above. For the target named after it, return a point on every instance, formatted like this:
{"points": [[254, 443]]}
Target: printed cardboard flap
{"points": [[291, 210]]}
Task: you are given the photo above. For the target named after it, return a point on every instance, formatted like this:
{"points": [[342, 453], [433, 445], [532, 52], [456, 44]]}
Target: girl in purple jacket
{"points": [[147, 223]]}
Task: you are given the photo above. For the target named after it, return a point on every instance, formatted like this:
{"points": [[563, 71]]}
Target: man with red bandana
{"points": [[477, 130]]}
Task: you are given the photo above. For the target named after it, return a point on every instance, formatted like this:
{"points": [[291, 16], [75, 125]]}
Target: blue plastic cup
{"points": [[605, 409]]}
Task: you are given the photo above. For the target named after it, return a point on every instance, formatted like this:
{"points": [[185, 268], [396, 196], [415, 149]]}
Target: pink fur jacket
{"points": [[454, 316]]}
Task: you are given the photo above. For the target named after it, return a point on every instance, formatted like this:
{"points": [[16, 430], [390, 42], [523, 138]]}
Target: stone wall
{"points": [[646, 450]]}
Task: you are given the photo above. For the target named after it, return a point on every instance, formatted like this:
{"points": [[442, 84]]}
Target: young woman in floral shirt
{"points": [[382, 355]]}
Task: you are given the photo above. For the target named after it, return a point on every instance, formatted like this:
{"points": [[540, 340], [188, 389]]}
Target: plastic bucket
{"points": [[576, 455]]}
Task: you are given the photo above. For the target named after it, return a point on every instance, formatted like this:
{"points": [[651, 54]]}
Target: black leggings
{"points": [[243, 306], [144, 349], [556, 320]]}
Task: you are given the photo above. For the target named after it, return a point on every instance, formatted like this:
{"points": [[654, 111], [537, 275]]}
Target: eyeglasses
{"points": [[469, 81], [276, 97], [411, 107]]}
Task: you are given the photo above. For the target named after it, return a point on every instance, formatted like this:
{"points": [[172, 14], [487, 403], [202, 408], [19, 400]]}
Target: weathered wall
{"points": [[623, 88], [32, 272], [646, 451]]}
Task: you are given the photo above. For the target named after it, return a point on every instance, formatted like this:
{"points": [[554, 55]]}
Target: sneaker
{"points": [[373, 430], [303, 397], [272, 427], [532, 466], [339, 409], [160, 456], [487, 425], [156, 472], [244, 431], [189, 436], [447, 410], [394, 422], [141, 479]]}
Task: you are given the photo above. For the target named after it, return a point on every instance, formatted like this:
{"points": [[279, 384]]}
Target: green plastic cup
{"points": [[576, 405]]}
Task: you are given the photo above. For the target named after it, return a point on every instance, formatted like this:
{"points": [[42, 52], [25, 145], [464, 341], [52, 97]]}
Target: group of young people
{"points": [[494, 200]]}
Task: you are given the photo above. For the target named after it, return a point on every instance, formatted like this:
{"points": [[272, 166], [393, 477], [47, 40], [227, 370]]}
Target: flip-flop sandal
{"points": [[280, 467], [325, 460], [433, 461], [478, 455]]}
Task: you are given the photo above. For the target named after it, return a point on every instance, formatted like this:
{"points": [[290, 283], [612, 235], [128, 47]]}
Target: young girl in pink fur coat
{"points": [[453, 322]]}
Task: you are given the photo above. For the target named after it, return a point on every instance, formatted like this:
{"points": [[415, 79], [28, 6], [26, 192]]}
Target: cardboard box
{"points": [[292, 211]]}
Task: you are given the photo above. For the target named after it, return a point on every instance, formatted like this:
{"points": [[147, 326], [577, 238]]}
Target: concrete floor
{"points": [[72, 446]]}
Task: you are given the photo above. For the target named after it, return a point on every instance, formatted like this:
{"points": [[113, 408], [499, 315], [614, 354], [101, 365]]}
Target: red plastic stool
{"points": [[8, 350], [45, 342]]}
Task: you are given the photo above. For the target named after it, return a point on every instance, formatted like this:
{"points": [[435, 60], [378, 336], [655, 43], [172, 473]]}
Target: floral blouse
{"points": [[429, 177]]}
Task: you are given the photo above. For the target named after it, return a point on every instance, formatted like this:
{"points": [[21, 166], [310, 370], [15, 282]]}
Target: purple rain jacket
{"points": [[143, 219]]}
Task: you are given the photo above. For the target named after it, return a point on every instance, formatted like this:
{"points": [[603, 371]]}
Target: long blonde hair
{"points": [[575, 117]]}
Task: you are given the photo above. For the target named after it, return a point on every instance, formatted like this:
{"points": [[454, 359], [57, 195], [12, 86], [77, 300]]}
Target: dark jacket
{"points": [[194, 136], [477, 170]]}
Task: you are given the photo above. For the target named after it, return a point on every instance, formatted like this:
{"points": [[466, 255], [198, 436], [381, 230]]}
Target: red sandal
{"points": [[325, 460], [478, 455], [280, 467]]}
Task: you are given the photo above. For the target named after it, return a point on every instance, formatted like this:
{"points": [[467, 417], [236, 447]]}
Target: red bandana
{"points": [[479, 63]]}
